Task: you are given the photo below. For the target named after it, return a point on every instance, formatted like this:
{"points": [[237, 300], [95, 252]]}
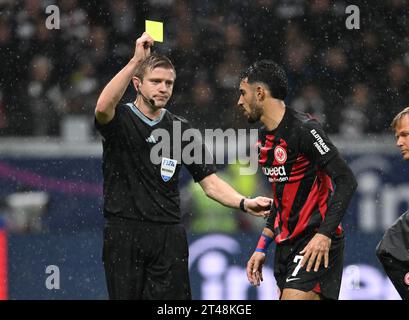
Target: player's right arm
{"points": [[255, 264], [115, 89]]}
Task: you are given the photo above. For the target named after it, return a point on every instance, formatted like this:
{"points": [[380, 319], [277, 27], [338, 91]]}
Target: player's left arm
{"points": [[321, 150], [220, 191], [345, 185]]}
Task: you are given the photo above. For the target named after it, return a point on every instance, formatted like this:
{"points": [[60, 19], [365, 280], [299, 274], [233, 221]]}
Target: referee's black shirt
{"points": [[134, 187]]}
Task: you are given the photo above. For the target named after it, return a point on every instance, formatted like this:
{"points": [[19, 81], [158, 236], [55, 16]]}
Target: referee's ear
{"points": [[136, 82]]}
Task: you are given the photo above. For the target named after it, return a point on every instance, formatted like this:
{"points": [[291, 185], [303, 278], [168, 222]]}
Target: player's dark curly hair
{"points": [[269, 73]]}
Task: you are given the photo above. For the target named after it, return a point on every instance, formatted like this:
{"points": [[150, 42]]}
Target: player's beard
{"points": [[255, 112]]}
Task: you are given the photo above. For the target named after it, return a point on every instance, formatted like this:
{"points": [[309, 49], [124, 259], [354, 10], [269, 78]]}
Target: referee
{"points": [[393, 249], [145, 249]]}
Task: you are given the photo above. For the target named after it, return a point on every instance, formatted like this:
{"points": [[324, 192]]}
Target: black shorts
{"points": [[326, 281], [146, 261]]}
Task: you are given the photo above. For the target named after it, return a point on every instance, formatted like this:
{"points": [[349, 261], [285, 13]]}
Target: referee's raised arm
{"points": [[115, 89]]}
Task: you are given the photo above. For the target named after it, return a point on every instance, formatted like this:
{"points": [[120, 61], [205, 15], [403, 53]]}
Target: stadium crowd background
{"points": [[354, 81]]}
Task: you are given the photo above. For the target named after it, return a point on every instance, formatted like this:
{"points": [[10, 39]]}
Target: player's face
{"points": [[402, 136], [248, 103], [157, 84]]}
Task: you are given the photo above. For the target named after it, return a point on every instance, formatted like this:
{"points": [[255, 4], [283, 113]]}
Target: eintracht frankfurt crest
{"points": [[280, 154]]}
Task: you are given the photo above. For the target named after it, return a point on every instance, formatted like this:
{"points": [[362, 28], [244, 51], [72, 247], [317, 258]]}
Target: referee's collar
{"points": [[144, 118]]}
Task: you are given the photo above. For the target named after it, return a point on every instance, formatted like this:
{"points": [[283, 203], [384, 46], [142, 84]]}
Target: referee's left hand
{"points": [[315, 250], [259, 207]]}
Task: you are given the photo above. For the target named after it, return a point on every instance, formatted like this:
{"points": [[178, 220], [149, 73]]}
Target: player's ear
{"points": [[260, 93]]}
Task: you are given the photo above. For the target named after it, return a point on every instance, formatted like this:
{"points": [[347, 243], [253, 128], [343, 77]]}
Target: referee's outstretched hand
{"points": [[316, 250], [259, 207], [143, 47], [254, 268]]}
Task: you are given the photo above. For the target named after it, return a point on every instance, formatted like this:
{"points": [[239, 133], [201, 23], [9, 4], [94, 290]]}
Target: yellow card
{"points": [[154, 29]]}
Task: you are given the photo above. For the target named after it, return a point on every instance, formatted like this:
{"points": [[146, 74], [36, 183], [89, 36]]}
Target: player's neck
{"points": [[273, 114], [149, 111]]}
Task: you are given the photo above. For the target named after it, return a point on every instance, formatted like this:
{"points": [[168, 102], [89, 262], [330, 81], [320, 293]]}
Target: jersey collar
{"points": [[144, 118]]}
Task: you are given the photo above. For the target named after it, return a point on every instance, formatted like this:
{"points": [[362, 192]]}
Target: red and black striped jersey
{"points": [[292, 157]]}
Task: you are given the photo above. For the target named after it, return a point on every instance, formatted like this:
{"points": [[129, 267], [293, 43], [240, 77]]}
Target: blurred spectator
{"points": [[202, 105], [203, 215], [122, 18], [395, 91], [6, 77], [84, 89], [44, 98], [310, 101], [299, 71], [227, 80], [332, 83], [354, 121], [73, 20]]}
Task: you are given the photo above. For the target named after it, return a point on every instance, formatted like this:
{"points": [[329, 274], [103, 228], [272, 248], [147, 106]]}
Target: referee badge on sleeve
{"points": [[167, 168]]}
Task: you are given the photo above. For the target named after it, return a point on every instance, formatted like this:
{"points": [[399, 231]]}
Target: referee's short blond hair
{"points": [[398, 117]]}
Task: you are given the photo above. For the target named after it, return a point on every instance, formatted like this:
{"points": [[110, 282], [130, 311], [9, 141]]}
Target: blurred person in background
{"points": [[393, 250], [7, 59], [354, 121], [207, 216], [310, 101], [397, 90], [332, 84], [45, 100]]}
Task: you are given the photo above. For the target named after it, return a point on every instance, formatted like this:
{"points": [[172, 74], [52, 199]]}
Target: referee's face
{"points": [[247, 102], [157, 85], [402, 136]]}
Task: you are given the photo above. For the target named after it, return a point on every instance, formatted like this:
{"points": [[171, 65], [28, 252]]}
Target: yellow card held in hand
{"points": [[154, 29]]}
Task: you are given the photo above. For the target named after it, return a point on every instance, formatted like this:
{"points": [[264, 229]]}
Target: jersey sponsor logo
{"points": [[275, 180], [280, 154], [319, 144], [274, 171], [276, 174], [406, 279], [167, 169], [151, 139]]}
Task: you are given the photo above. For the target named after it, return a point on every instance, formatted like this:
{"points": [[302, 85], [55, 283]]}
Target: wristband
{"points": [[242, 205], [263, 243]]}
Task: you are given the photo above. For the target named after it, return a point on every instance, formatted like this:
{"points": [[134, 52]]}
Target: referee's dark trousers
{"points": [[393, 253]]}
